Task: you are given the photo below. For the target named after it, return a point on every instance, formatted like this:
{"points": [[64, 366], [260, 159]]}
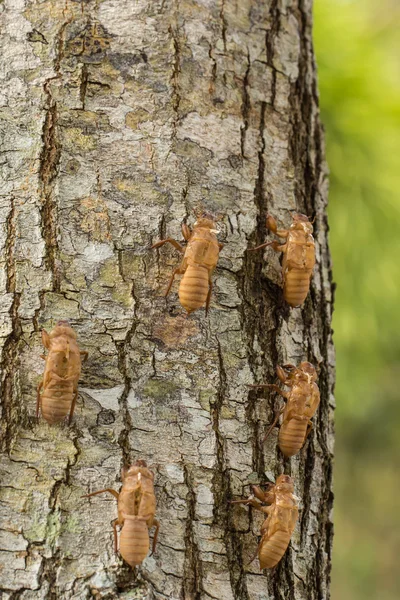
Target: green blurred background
{"points": [[358, 58]]}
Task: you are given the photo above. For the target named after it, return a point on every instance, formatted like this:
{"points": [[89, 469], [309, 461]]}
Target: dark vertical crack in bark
{"points": [[245, 108], [307, 476], [10, 397], [301, 101], [176, 69], [49, 164], [270, 36], [84, 84], [211, 88], [223, 514], [49, 161], [125, 370], [35, 320], [10, 402], [282, 579], [10, 247], [192, 588], [224, 24]]}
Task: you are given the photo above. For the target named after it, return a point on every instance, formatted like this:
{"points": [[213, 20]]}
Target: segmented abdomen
{"points": [[56, 401], [297, 284], [273, 549], [194, 288], [292, 435], [134, 543]]}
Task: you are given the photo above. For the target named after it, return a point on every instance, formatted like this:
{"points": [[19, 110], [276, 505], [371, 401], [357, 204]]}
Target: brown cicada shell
{"points": [[199, 261], [279, 525], [298, 256], [61, 374], [302, 403], [136, 510]]}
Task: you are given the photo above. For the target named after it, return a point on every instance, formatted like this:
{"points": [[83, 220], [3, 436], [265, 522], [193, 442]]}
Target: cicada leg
{"points": [[109, 490], [210, 286], [114, 524], [38, 398], [174, 243], [186, 232], [157, 524], [71, 412], [177, 271], [274, 422]]}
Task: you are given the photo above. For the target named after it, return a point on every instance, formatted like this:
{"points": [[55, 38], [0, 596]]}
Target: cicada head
{"points": [[309, 370], [284, 483], [63, 328], [290, 371], [206, 220], [137, 470], [302, 223]]}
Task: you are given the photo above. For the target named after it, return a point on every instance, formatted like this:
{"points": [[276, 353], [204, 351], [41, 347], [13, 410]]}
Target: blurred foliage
{"points": [[359, 81]]}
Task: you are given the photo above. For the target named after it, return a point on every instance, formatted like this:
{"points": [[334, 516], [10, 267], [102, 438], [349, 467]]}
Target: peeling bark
{"points": [[118, 120]]}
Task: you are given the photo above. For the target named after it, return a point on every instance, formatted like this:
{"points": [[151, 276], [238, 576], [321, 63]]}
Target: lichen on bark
{"points": [[118, 120]]}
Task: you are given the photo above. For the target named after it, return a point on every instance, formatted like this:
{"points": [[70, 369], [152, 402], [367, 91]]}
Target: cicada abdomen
{"points": [[273, 548], [292, 435], [57, 399], [194, 288], [134, 540]]}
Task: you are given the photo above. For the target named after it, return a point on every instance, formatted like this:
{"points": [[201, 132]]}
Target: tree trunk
{"points": [[119, 119]]}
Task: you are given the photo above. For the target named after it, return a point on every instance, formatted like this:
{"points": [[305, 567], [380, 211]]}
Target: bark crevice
{"points": [[223, 511], [49, 164], [192, 588]]}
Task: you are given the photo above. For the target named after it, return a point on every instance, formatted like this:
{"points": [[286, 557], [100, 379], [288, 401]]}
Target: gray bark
{"points": [[119, 118]]}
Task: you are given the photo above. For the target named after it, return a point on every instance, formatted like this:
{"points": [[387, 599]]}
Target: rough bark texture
{"points": [[118, 118]]}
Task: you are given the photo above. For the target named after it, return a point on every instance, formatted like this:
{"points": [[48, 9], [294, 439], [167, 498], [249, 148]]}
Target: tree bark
{"points": [[119, 118]]}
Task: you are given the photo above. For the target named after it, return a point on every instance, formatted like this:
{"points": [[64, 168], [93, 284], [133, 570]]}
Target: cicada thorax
{"points": [[137, 495], [134, 541], [200, 260], [298, 263]]}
